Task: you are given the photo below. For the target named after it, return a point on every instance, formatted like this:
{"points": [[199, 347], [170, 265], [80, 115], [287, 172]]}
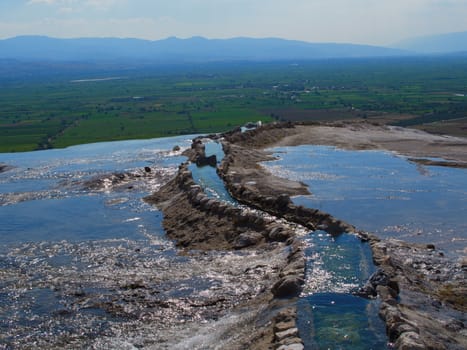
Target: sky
{"points": [[374, 22]]}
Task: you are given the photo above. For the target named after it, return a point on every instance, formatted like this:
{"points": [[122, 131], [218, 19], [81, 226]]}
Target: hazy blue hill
{"points": [[438, 44], [180, 50], [45, 48]]}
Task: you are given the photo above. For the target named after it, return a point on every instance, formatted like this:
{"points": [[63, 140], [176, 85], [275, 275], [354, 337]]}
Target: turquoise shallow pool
{"points": [[382, 193], [329, 315], [340, 321]]}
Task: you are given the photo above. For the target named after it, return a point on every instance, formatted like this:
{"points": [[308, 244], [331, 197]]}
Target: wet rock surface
{"points": [[106, 182], [4, 167], [203, 161], [286, 332], [423, 295], [197, 221], [452, 164], [127, 288], [122, 181]]}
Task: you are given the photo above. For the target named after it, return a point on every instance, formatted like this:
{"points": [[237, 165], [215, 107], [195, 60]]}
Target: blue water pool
{"points": [[382, 192]]}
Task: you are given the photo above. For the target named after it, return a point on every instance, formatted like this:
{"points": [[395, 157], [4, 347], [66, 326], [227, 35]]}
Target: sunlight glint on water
{"points": [[382, 193]]}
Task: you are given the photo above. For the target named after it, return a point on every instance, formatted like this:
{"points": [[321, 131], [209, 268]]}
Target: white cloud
{"points": [[96, 4], [47, 2], [138, 27], [102, 4], [356, 21], [66, 10]]}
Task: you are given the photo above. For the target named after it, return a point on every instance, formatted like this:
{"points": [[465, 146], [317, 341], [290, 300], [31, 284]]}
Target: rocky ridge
{"points": [[4, 167], [196, 221], [423, 293]]}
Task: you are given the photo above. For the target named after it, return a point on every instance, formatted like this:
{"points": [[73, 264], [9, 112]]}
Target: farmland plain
{"points": [[54, 105]]}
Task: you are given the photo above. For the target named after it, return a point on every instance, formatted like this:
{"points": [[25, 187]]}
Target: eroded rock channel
{"points": [[421, 292], [196, 221]]}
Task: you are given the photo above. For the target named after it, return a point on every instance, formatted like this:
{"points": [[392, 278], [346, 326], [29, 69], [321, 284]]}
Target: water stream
{"points": [[207, 177], [329, 315]]}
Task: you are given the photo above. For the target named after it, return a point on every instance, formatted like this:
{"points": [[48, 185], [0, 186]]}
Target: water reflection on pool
{"points": [[382, 193], [340, 321], [52, 195]]}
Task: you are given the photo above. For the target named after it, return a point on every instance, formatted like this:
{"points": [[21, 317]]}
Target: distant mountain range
{"points": [[436, 44], [198, 49], [174, 50]]}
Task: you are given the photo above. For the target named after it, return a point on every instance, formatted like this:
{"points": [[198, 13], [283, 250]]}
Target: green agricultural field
{"points": [[82, 105]]}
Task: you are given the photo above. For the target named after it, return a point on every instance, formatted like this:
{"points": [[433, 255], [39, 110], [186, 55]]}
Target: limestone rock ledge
{"points": [[424, 296]]}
